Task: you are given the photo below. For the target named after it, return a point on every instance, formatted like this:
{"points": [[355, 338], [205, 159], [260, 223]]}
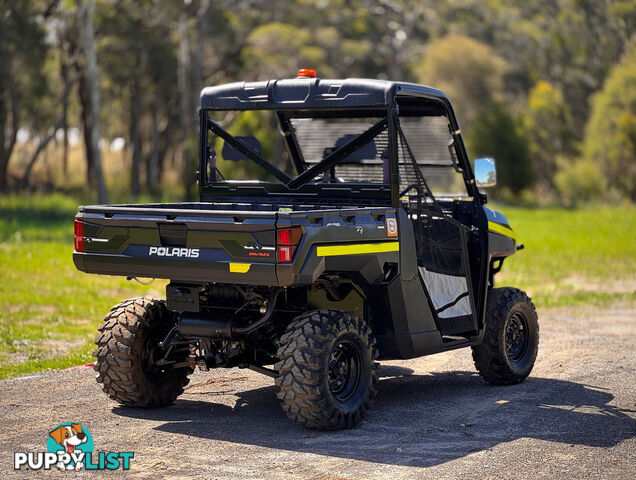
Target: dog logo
{"points": [[69, 446], [391, 227], [69, 437]]}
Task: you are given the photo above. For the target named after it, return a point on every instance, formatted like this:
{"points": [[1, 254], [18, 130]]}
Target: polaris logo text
{"points": [[174, 252]]}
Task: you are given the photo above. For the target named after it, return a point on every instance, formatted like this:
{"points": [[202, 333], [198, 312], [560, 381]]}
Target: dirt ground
{"points": [[575, 417]]}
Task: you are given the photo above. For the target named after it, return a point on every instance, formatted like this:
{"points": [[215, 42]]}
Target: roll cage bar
{"points": [[390, 122]]}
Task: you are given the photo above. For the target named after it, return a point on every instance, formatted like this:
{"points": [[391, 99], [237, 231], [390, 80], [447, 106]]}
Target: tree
{"points": [[545, 56], [394, 29], [610, 133], [22, 82], [499, 134], [579, 181], [49, 135], [276, 50], [468, 71], [548, 124], [50, 118], [138, 60], [89, 93], [570, 43], [185, 102]]}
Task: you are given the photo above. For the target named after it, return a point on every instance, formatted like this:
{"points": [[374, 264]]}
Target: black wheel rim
{"points": [[343, 372], [516, 337]]}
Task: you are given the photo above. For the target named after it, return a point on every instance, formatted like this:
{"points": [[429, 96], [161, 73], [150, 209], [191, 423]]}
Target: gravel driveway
{"points": [[575, 417]]}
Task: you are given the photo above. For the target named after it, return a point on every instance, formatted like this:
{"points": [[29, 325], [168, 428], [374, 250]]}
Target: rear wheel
{"points": [[126, 353], [511, 340], [327, 370]]}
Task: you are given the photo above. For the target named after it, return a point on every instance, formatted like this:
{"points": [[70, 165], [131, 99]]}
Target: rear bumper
{"points": [[183, 269]]}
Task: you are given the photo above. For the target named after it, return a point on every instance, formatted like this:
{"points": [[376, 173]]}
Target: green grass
{"points": [[573, 257], [49, 311]]}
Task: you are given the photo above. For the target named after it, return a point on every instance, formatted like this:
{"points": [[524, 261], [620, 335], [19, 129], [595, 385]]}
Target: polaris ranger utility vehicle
{"points": [[349, 229]]}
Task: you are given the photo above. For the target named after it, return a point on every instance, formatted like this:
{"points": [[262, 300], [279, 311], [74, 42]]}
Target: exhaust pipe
{"points": [[194, 325]]}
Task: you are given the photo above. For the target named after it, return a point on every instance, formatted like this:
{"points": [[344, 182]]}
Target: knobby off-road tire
{"points": [[511, 341], [124, 348], [327, 370]]}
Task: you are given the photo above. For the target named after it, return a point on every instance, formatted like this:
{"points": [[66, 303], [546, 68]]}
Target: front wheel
{"points": [[327, 370], [511, 340]]}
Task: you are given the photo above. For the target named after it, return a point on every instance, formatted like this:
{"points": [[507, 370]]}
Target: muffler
{"points": [[195, 325], [199, 324]]}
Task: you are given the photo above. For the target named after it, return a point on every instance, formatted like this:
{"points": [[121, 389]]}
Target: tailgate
{"points": [[179, 244]]}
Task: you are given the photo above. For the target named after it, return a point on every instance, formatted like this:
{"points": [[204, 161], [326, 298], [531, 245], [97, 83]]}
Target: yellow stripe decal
{"points": [[357, 249], [500, 229], [240, 267]]}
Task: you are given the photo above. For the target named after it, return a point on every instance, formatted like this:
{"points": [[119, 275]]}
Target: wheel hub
{"points": [[149, 357], [343, 373], [516, 337]]}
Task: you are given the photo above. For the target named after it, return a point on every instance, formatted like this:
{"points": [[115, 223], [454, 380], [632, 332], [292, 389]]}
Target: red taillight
{"points": [[289, 236], [78, 229], [285, 254], [287, 240]]}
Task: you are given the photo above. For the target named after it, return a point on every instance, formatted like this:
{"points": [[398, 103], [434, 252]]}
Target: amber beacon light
{"points": [[307, 73]]}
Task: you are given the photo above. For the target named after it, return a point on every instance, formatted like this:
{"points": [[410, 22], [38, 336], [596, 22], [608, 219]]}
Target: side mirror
{"points": [[485, 172]]}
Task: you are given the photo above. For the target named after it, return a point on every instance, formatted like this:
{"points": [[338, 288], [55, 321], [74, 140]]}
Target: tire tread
{"points": [[303, 389], [119, 342], [489, 358]]}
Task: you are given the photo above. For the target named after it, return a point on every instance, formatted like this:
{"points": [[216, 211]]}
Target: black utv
{"points": [[339, 223]]}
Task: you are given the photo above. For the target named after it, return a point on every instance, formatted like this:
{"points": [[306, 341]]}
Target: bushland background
{"points": [[98, 103]]}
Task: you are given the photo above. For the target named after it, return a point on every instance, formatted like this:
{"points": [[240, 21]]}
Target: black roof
{"points": [[297, 93]]}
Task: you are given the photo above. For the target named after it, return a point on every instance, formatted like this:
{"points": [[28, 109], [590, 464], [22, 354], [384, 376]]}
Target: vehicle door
{"points": [[438, 204]]}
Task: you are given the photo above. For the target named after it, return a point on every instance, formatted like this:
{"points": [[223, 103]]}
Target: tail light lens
{"points": [[287, 240], [78, 229]]}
